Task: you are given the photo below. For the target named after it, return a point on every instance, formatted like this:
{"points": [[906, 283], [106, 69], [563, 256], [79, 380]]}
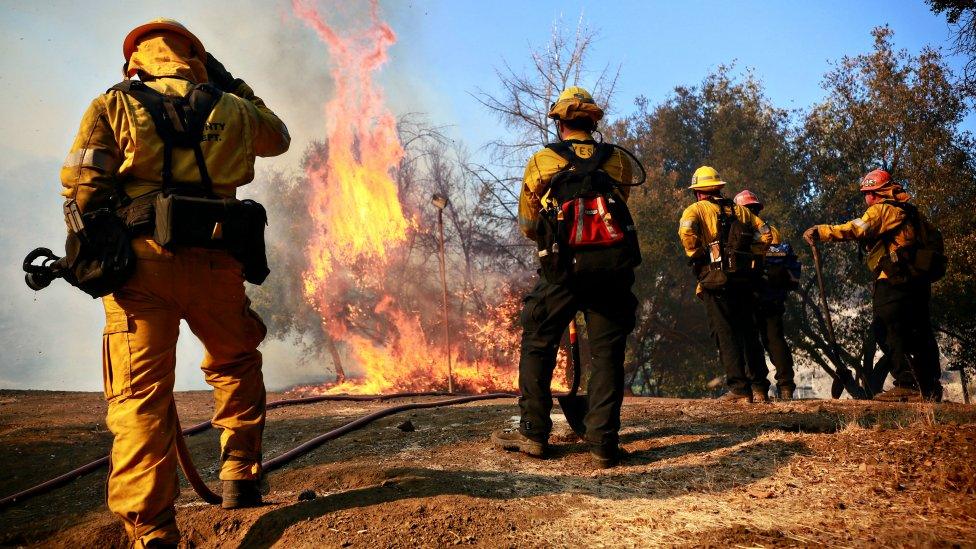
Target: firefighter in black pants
{"points": [[607, 302], [890, 229], [729, 301], [781, 273]]}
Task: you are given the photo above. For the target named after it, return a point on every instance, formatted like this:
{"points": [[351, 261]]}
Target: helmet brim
{"points": [[711, 185], [132, 39]]}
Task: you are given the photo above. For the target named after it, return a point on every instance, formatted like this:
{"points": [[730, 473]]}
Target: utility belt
{"points": [[715, 270], [182, 218]]}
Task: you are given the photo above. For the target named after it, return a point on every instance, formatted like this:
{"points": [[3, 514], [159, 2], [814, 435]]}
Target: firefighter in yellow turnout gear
{"points": [[117, 143], [726, 280], [903, 328]]}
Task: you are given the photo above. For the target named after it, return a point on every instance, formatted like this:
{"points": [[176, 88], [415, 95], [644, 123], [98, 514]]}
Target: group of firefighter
{"points": [[121, 152], [744, 270]]}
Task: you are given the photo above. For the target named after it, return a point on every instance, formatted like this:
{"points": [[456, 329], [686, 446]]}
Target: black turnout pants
{"points": [[609, 306], [769, 323], [904, 332], [730, 317]]}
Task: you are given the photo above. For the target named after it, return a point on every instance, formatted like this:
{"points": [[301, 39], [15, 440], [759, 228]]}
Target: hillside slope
{"points": [[699, 473]]}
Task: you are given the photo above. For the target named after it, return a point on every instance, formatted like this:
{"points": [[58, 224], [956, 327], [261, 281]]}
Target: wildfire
{"points": [[360, 228]]}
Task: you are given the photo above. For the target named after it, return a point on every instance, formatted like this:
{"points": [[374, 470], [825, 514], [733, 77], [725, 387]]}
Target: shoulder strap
{"points": [[179, 122], [563, 149], [724, 219]]}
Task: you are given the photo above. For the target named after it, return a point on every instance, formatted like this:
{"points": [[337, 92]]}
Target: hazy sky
{"points": [[57, 56]]}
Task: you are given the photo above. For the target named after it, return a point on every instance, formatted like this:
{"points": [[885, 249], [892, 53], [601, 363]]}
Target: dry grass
{"points": [[700, 473]]}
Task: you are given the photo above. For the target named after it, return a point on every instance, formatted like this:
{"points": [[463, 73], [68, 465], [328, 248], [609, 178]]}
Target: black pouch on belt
{"points": [[221, 223], [191, 221], [137, 213], [244, 235]]}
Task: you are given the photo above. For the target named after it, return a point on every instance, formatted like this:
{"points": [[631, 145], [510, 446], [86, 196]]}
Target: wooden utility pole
{"points": [[440, 202]]}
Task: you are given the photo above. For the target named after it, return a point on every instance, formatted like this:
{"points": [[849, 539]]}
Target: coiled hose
{"points": [[201, 488]]}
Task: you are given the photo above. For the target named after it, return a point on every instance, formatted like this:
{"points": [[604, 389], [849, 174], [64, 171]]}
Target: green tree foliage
{"points": [[900, 112], [961, 16], [886, 109], [726, 122]]}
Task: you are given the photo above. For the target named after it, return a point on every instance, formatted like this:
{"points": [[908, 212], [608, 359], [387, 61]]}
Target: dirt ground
{"points": [[699, 473]]}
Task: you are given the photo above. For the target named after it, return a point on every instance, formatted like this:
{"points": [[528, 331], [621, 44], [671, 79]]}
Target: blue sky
{"points": [[59, 54], [660, 44]]}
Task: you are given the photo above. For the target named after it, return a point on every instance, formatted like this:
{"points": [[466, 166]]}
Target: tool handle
{"points": [[823, 296], [574, 352]]}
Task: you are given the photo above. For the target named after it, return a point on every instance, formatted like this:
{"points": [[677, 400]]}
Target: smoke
{"points": [[57, 57]]}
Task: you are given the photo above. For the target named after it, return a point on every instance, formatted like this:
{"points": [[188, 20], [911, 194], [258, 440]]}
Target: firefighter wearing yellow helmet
{"points": [[606, 300], [718, 238], [905, 254], [119, 154]]}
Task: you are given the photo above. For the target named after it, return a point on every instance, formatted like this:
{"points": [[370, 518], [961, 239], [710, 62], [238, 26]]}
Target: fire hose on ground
{"points": [[201, 488]]}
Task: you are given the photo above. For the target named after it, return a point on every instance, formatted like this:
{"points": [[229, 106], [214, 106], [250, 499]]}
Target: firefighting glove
{"points": [[220, 76], [811, 235]]}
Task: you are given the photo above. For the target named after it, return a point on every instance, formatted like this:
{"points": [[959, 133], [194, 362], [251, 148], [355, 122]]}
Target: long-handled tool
{"points": [[575, 406], [843, 378]]}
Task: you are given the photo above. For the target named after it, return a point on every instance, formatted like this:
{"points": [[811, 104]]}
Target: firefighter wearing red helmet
{"points": [[781, 273], [904, 252]]}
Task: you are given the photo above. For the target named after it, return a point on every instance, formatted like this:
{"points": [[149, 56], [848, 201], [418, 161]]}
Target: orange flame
{"points": [[359, 228], [354, 207]]}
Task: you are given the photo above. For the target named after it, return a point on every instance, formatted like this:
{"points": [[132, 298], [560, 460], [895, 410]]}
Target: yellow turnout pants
{"points": [[142, 320]]}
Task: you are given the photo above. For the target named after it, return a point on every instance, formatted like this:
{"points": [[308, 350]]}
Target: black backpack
{"points": [[730, 257], [585, 226], [737, 239]]}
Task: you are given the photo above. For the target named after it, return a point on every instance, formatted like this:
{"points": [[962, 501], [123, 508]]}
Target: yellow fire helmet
{"points": [[575, 103], [706, 179], [160, 24]]}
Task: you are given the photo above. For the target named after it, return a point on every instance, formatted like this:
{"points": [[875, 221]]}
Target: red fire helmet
{"points": [[875, 180], [746, 198]]}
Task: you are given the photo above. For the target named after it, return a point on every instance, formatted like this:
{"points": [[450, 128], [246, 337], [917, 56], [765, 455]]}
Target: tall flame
{"points": [[354, 207], [359, 226]]}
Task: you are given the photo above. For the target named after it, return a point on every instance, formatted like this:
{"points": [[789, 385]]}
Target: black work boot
{"points": [[604, 457], [241, 493], [934, 394], [514, 440]]}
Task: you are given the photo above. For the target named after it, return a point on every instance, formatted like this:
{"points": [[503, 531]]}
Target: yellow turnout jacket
{"points": [[699, 226], [117, 140], [882, 219]]}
